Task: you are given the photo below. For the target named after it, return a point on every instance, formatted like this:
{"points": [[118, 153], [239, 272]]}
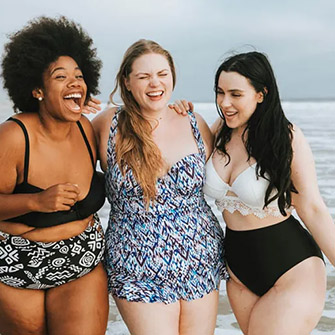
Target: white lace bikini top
{"points": [[249, 191]]}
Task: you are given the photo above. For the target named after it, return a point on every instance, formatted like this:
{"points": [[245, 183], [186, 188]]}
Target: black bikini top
{"points": [[81, 209]]}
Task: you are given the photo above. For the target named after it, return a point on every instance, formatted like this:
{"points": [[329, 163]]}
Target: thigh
{"points": [[149, 318], [80, 306], [198, 317], [241, 300], [22, 311], [294, 304]]}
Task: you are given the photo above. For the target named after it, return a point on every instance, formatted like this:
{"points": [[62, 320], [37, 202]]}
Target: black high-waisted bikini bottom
{"points": [[259, 257]]}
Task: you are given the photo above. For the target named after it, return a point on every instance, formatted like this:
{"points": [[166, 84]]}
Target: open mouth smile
{"points": [[155, 94], [73, 101]]}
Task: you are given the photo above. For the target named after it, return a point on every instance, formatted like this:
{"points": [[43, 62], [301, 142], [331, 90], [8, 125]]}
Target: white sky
{"points": [[297, 35]]}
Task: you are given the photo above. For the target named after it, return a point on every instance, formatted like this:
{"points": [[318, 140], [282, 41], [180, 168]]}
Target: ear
{"points": [[261, 95], [126, 82], [38, 94]]}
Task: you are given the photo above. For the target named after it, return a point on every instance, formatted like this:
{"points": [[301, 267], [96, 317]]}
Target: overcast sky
{"points": [[297, 35]]}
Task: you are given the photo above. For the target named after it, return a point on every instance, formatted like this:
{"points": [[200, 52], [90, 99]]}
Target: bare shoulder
{"points": [[11, 135], [216, 126], [302, 153], [88, 129], [205, 133], [103, 119], [202, 124], [12, 151], [298, 139]]}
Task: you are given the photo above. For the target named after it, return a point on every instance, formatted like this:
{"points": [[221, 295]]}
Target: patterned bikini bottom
{"points": [[39, 265]]}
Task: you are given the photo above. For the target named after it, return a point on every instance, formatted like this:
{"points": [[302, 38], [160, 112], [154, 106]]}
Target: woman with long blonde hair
{"points": [[164, 254]]}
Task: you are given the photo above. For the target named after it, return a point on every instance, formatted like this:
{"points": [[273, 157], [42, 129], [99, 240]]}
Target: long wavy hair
{"points": [[135, 147], [268, 134]]}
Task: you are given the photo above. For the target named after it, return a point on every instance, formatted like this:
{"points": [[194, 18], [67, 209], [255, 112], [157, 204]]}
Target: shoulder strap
{"points": [[86, 142], [27, 149], [114, 122], [197, 134]]}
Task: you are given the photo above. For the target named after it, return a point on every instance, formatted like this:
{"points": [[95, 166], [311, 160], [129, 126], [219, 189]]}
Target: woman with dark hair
{"points": [[261, 169], [164, 245], [51, 242]]}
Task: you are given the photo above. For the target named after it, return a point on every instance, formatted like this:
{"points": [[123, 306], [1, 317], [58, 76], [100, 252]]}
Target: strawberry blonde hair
{"points": [[135, 147]]}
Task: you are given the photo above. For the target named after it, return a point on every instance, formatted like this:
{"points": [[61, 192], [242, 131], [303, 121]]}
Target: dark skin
{"points": [[60, 164]]}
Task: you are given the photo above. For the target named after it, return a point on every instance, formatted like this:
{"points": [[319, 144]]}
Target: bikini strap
{"points": [[86, 142], [197, 134], [27, 149]]}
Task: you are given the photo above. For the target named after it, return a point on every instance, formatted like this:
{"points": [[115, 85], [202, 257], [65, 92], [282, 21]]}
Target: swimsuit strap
{"points": [[27, 149], [115, 122], [86, 142], [196, 134], [111, 153]]}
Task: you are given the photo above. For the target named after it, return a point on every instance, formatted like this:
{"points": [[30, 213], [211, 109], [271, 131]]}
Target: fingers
{"points": [[181, 106], [58, 197], [92, 106], [69, 193]]}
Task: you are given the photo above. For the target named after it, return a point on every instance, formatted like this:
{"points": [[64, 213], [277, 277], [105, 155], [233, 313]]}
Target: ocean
{"points": [[316, 119]]}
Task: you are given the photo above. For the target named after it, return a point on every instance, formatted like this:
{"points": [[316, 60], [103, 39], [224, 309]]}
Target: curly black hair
{"points": [[32, 49], [268, 132]]}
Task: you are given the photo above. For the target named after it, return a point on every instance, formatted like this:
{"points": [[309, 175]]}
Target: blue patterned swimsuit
{"points": [[173, 250]]}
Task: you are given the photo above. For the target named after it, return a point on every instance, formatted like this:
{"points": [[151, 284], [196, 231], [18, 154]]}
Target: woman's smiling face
{"points": [[150, 82], [64, 90], [237, 99]]}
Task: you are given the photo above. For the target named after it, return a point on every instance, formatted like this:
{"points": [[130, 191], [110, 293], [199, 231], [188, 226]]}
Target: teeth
{"points": [[154, 94], [73, 95]]}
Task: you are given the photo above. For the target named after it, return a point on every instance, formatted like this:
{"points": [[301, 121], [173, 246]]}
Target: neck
{"points": [[155, 115], [54, 129], [239, 131]]}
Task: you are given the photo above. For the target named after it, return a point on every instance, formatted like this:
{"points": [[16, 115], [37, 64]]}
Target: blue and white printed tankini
{"points": [[172, 250]]}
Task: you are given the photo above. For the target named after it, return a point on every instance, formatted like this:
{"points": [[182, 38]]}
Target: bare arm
{"points": [[101, 124], [308, 202]]}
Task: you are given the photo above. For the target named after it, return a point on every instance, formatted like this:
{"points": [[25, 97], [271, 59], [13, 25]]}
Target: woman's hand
{"points": [[92, 106], [60, 197], [182, 106]]}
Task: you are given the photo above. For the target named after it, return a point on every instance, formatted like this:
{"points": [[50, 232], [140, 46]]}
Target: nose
{"points": [[223, 100], [154, 81], [74, 81]]}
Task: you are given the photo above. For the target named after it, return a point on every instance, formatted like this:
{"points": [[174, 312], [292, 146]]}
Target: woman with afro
{"points": [[51, 241]]}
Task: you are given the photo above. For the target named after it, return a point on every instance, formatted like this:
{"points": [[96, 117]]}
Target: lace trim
{"points": [[232, 205]]}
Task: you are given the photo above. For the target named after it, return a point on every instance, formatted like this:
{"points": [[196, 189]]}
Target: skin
{"points": [[294, 304], [151, 73], [60, 164]]}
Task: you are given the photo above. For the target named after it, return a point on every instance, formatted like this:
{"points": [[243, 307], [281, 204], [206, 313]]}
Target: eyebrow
{"points": [[231, 90], [146, 73], [61, 68]]}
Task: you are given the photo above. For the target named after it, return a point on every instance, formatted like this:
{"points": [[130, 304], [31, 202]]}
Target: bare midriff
{"points": [[237, 221], [48, 234]]}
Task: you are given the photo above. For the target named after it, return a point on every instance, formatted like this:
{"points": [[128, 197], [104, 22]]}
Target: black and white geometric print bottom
{"points": [[38, 265]]}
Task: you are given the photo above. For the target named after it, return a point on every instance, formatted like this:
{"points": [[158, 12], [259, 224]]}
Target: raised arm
{"points": [[308, 202]]}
